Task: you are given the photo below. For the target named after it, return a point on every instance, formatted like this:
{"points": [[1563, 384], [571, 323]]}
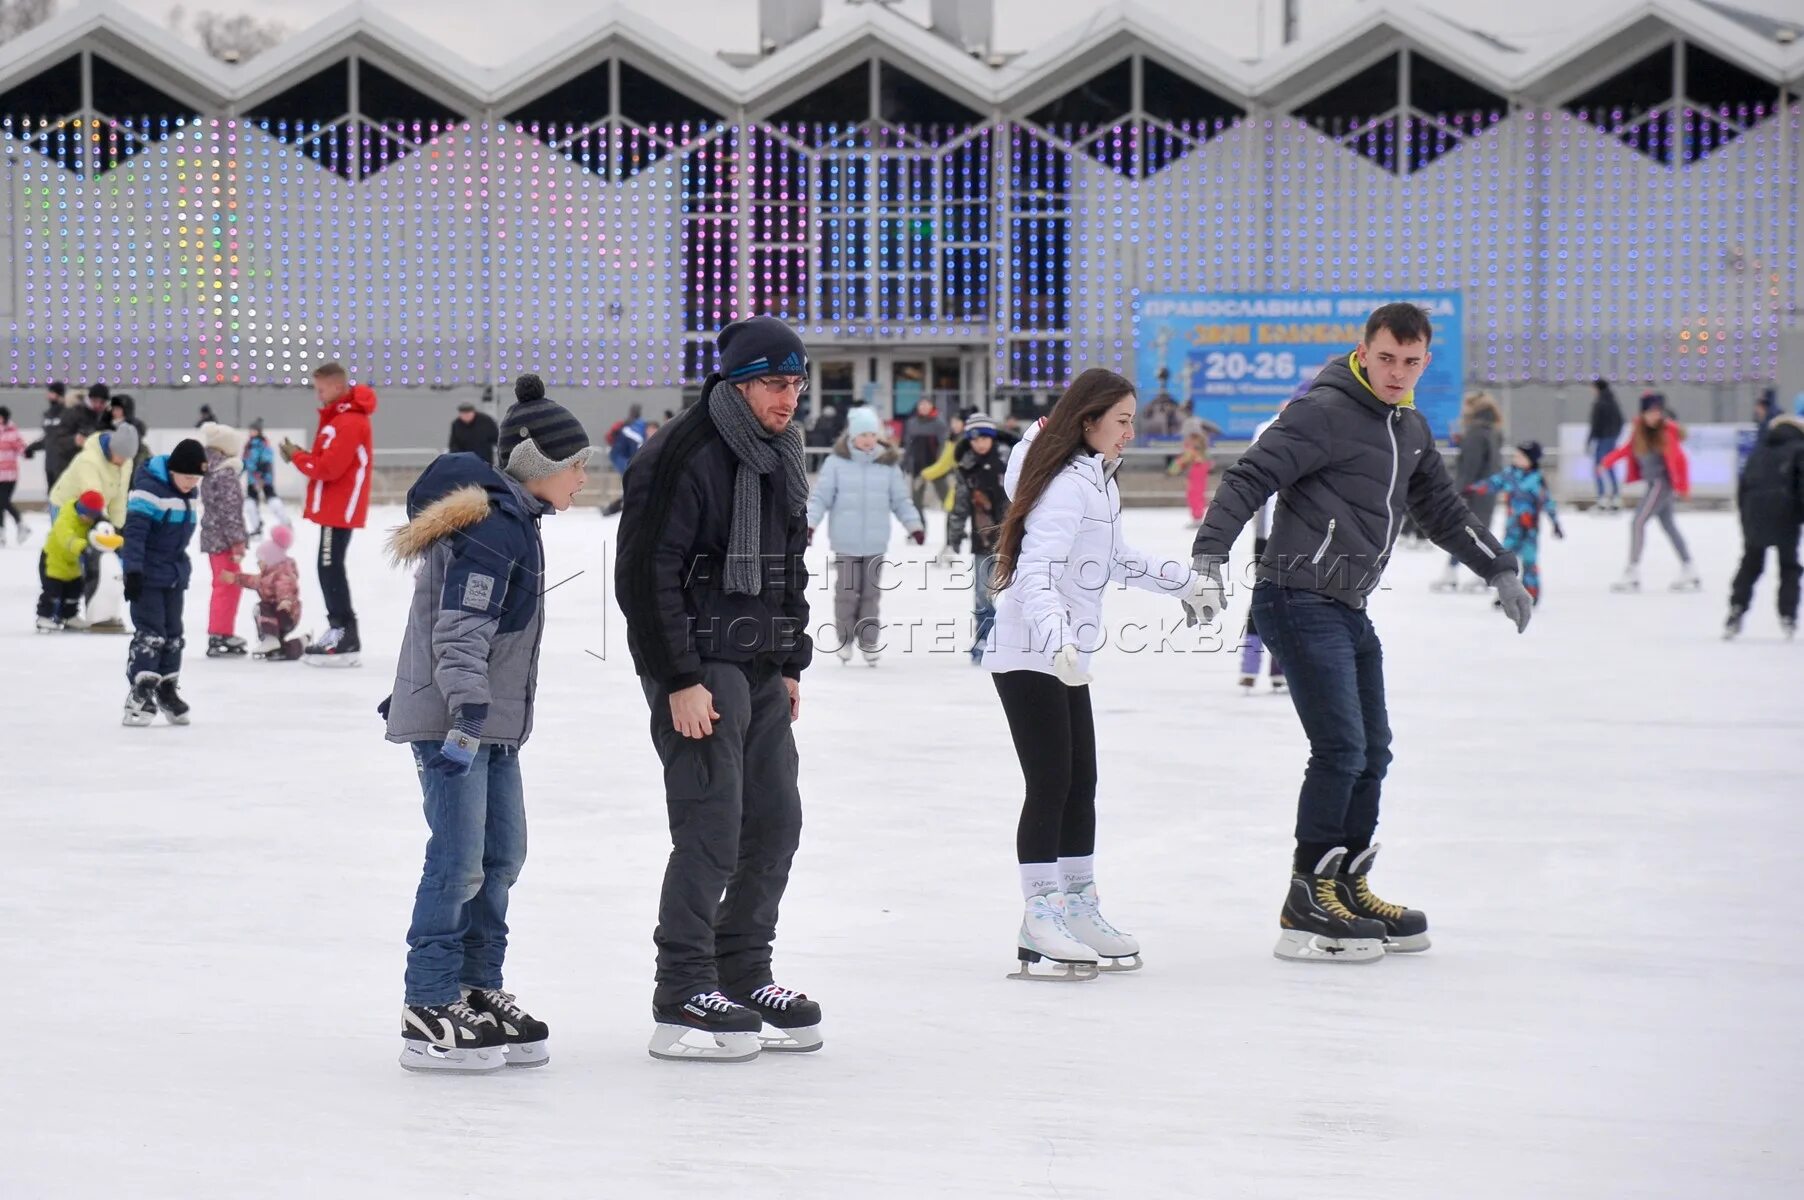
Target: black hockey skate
{"points": [[1405, 929], [707, 1027], [338, 648], [1732, 626], [450, 1037], [170, 702], [224, 647], [141, 701], [523, 1034], [1318, 927], [795, 1018]]}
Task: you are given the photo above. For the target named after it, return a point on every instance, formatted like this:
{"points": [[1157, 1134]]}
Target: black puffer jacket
{"points": [[1346, 467], [675, 523], [1771, 492]]}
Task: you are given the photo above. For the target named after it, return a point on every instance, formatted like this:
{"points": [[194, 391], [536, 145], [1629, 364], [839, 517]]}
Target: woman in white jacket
{"points": [[1060, 547]]}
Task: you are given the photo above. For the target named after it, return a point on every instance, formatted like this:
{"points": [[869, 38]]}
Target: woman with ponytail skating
{"points": [[1655, 452], [1060, 547]]}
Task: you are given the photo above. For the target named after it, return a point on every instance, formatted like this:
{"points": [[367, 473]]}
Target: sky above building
{"points": [[491, 34]]}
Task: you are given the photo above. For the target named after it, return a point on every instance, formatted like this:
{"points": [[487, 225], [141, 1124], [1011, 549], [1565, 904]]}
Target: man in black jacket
{"points": [[58, 427], [1601, 438], [1770, 496], [1347, 461], [474, 433], [711, 579]]}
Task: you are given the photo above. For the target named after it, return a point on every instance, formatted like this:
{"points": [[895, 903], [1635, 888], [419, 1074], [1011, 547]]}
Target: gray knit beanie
{"points": [[539, 437]]}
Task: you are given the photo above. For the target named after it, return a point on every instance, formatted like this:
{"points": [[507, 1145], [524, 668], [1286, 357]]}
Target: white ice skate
{"points": [[1630, 581], [1115, 950], [49, 625], [1045, 936], [871, 658], [1688, 580], [845, 652]]}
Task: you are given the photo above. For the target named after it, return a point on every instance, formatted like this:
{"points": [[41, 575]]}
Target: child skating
{"points": [[78, 528], [1193, 464], [1526, 493], [159, 524], [222, 535], [278, 588]]}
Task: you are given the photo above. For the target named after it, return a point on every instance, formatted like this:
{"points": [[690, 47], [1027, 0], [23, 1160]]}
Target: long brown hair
{"points": [[1651, 439], [1090, 395]]}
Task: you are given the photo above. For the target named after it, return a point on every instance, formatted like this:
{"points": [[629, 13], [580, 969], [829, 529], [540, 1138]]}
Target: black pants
{"points": [[59, 598], [157, 640], [1335, 666], [1055, 739], [1753, 559], [735, 822], [334, 544], [7, 508]]}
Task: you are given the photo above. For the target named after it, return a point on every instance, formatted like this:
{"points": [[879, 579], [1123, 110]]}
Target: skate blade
{"points": [[175, 720], [525, 1054], [1294, 945], [425, 1057], [1413, 943], [1058, 971], [331, 660], [1117, 966], [680, 1043], [136, 722], [800, 1040]]}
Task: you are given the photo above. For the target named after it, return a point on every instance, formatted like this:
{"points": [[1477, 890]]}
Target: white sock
{"points": [[1074, 873], [1039, 879]]}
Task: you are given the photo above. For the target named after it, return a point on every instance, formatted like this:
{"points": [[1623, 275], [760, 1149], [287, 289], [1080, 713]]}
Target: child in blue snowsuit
{"points": [[159, 523], [1527, 496]]}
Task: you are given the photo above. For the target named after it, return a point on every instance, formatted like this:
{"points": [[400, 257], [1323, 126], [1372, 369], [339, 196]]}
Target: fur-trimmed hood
{"points": [[887, 455], [456, 492], [1783, 429]]}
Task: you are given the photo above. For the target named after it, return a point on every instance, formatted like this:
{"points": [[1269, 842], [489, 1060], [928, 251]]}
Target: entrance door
{"points": [[908, 383]]}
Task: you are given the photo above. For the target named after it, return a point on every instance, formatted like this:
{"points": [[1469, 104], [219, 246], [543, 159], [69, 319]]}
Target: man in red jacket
{"points": [[338, 470]]}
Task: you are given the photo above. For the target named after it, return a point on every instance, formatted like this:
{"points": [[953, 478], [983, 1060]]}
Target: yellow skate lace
{"points": [[1330, 900], [1384, 908]]}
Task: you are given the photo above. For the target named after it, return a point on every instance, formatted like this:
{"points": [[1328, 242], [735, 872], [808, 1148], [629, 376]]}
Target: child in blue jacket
{"points": [[1528, 497], [159, 523]]}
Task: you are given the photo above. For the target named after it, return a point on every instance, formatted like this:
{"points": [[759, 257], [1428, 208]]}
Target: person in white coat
{"points": [[859, 489], [1060, 548]]}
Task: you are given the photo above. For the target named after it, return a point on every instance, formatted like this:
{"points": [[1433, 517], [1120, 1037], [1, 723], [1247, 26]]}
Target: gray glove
{"points": [[1207, 598], [1517, 604]]}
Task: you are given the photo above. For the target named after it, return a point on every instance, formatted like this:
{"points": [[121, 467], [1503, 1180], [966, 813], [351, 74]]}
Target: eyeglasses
{"points": [[784, 383]]}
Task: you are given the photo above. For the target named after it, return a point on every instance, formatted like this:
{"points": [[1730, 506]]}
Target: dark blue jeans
{"points": [[478, 844], [1599, 450], [983, 605], [1335, 666]]}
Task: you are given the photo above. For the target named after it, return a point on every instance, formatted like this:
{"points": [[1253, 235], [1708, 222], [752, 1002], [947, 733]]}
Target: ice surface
{"points": [[202, 928]]}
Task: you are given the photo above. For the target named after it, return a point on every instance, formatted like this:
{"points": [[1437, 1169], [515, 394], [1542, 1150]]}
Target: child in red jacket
{"points": [[1655, 452], [338, 471]]}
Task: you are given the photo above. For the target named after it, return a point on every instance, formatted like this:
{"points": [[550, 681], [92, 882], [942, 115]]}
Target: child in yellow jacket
{"points": [[59, 564]]}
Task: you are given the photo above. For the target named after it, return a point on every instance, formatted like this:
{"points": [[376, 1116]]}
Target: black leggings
{"points": [[6, 504], [1055, 739], [333, 585]]}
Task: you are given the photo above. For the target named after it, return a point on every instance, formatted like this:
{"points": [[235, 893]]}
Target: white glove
{"points": [[1064, 665], [1207, 599]]}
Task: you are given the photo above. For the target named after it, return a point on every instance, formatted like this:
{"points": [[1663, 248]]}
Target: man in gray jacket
{"points": [[462, 701], [1347, 461]]}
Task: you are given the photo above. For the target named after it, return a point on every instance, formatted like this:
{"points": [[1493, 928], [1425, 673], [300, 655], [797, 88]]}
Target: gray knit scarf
{"points": [[759, 452]]}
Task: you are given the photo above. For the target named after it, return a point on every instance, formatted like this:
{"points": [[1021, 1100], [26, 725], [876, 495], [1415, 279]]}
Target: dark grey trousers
{"points": [[735, 821]]}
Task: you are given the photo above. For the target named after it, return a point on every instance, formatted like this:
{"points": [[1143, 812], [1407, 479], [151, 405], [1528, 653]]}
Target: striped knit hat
{"points": [[539, 437]]}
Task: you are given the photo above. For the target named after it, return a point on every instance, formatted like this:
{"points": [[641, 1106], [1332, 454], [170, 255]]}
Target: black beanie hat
{"points": [[1652, 400], [1533, 450], [760, 346], [556, 435], [188, 458], [99, 391]]}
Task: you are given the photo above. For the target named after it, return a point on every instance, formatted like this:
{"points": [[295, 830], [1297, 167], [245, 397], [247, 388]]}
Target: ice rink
{"points": [[203, 927]]}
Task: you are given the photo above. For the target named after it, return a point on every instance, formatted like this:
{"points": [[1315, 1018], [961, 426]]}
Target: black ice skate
{"points": [[141, 701], [1318, 927], [795, 1018], [523, 1035], [1732, 626], [1790, 626], [338, 648], [1405, 929], [707, 1027], [224, 647], [450, 1037], [174, 708]]}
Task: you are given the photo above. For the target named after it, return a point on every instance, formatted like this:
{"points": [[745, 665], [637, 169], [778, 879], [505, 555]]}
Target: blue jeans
{"points": [[478, 844], [983, 605], [1598, 452], [1335, 666]]}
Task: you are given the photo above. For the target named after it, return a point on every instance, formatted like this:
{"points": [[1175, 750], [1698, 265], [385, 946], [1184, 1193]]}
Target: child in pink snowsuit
{"points": [[1193, 463], [222, 535], [278, 590]]}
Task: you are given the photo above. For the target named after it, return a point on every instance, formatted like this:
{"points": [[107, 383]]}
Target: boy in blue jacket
{"points": [[463, 702], [159, 522]]}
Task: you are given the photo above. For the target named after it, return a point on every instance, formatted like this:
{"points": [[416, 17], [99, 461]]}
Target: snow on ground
{"points": [[203, 927]]}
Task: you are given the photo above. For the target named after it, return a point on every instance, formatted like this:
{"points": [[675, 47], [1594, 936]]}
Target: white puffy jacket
{"points": [[1072, 549]]}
